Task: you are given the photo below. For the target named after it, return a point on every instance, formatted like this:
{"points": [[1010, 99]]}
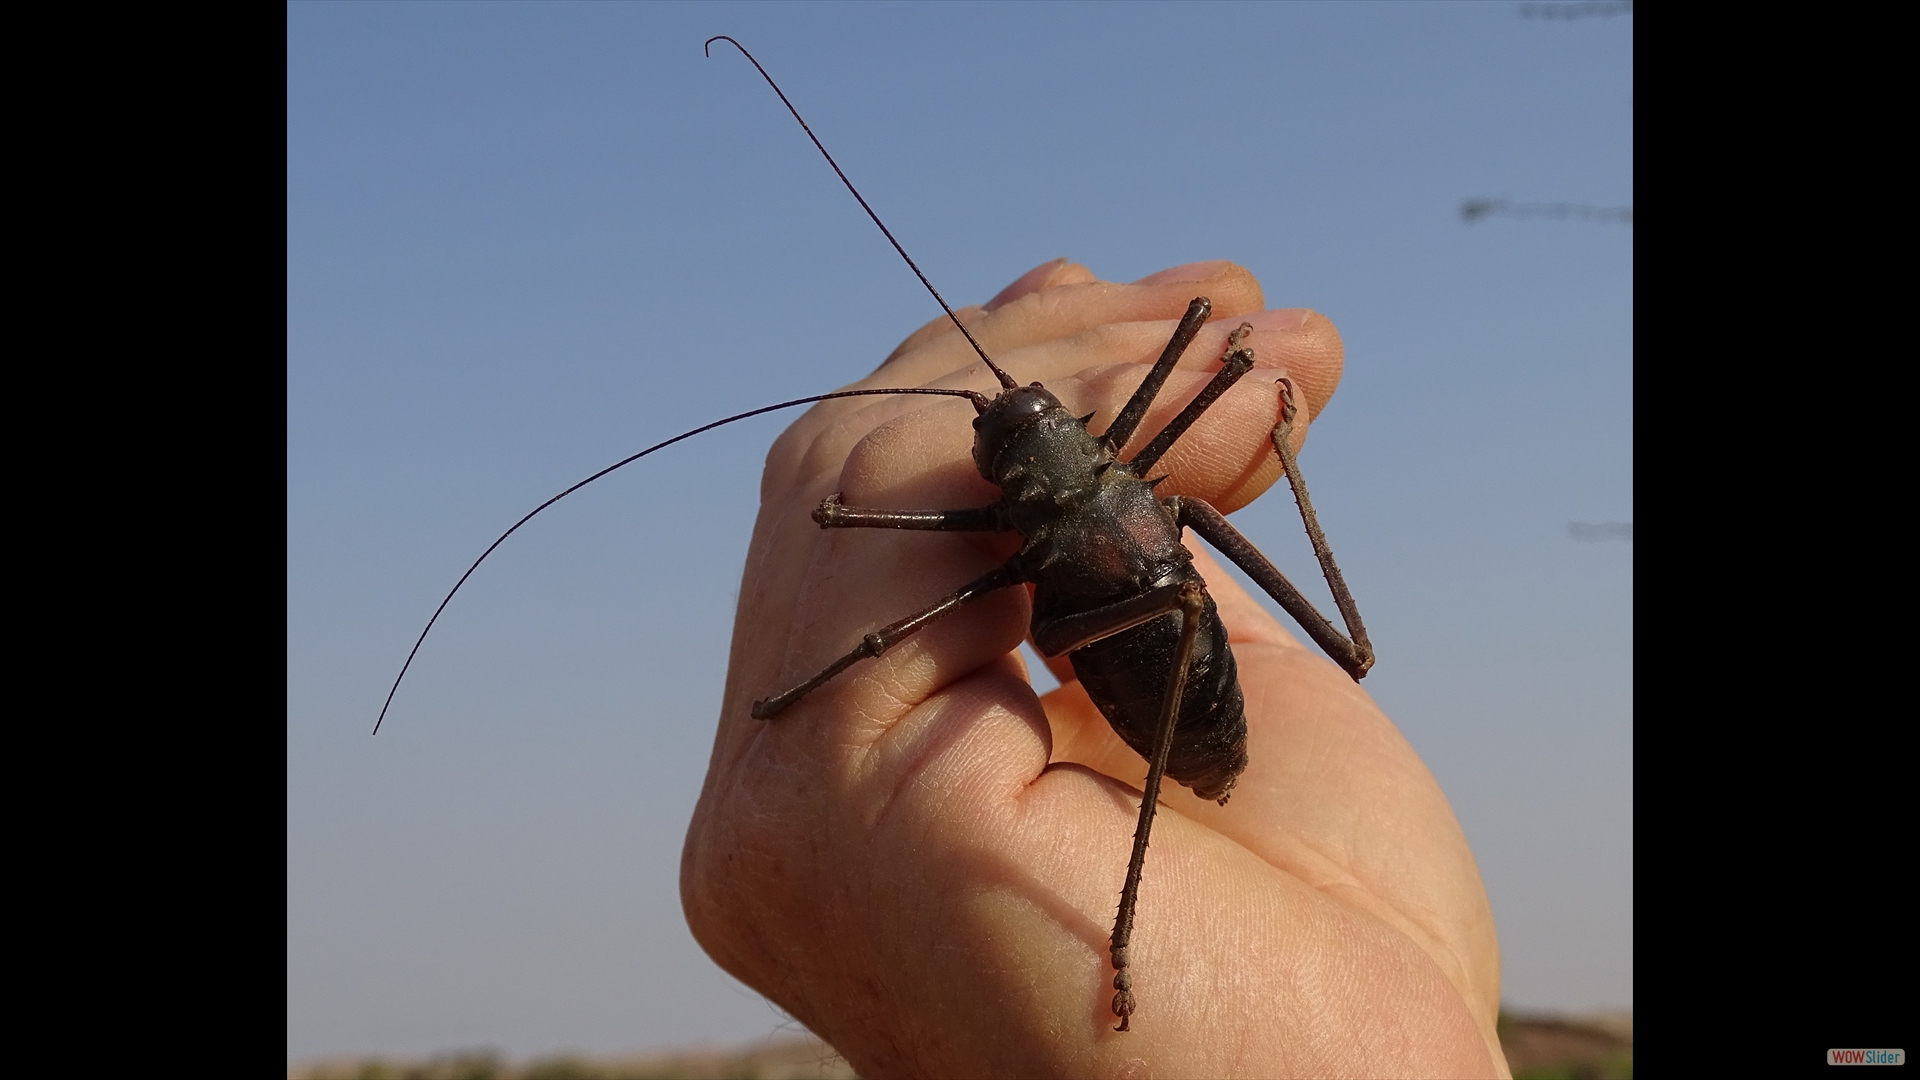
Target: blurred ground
{"points": [[1566, 1048], [787, 1057], [1538, 1048]]}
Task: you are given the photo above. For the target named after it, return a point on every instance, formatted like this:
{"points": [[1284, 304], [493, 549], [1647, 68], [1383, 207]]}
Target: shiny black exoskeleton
{"points": [[1096, 535]]}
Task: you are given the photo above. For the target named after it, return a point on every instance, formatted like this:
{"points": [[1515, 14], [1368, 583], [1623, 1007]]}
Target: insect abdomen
{"points": [[1127, 676]]}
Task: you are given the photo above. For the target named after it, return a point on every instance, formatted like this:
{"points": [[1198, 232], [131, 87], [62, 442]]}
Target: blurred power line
{"points": [[1606, 530], [1580, 10], [1474, 209]]}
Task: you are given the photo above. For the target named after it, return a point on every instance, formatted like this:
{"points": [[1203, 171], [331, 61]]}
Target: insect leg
{"points": [[1130, 416], [831, 514], [1355, 655], [1192, 601], [1189, 600], [887, 637], [1060, 636], [1349, 610], [1239, 361]]}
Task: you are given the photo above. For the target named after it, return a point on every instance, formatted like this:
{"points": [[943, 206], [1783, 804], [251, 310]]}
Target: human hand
{"points": [[920, 860]]}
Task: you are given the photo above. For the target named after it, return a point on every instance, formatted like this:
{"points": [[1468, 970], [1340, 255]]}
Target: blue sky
{"points": [[527, 240]]}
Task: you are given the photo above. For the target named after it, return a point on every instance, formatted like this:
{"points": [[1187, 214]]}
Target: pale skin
{"points": [[921, 860]]}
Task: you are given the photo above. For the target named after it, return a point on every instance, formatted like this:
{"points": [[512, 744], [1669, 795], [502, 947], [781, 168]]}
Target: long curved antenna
{"points": [[979, 404], [1006, 380]]}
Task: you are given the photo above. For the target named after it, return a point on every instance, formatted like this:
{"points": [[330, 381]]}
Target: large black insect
{"points": [[1114, 589]]}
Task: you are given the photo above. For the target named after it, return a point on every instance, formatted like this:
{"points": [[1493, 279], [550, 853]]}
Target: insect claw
{"points": [[828, 511], [1287, 407]]}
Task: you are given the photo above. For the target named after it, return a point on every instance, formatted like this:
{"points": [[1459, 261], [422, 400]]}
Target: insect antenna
{"points": [[979, 404], [1006, 381]]}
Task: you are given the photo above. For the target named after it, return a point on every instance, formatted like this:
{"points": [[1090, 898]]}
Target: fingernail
{"points": [[1199, 271], [1281, 319], [1030, 282]]}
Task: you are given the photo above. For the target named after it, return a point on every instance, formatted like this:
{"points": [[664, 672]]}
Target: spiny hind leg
{"points": [[1192, 602]]}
